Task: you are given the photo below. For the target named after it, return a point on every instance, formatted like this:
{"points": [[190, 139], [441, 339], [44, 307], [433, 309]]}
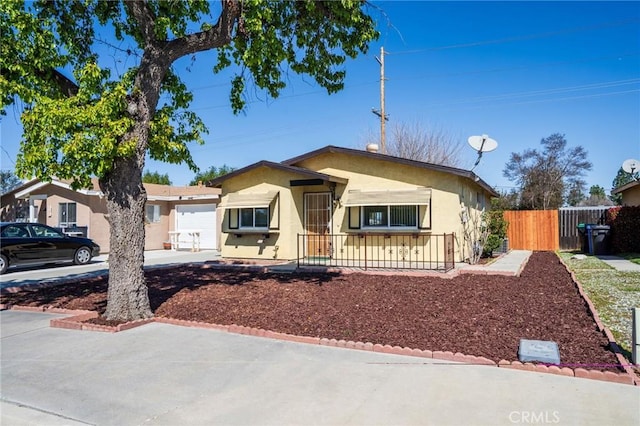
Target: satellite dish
{"points": [[482, 144], [630, 165]]}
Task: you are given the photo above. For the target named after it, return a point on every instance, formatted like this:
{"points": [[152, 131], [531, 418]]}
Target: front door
{"points": [[317, 218]]}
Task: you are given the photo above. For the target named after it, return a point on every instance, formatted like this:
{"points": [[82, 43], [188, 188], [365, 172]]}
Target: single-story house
{"points": [[355, 205], [168, 209], [630, 193]]}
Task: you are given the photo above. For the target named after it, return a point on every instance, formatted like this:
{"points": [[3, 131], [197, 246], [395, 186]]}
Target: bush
{"points": [[624, 235], [497, 231]]}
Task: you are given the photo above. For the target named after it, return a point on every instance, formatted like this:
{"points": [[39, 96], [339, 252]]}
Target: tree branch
{"points": [[217, 36]]}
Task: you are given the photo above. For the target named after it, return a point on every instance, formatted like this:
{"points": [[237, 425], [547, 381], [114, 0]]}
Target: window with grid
{"points": [[67, 215], [390, 216]]}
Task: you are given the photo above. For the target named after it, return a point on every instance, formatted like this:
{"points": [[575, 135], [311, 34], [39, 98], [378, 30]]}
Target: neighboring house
{"points": [[169, 208], [630, 193], [355, 205]]}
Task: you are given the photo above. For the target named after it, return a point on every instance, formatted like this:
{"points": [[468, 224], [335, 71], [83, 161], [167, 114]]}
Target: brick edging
{"points": [[75, 322], [601, 327]]}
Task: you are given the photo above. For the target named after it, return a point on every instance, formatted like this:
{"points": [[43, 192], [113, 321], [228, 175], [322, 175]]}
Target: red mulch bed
{"points": [[481, 315]]}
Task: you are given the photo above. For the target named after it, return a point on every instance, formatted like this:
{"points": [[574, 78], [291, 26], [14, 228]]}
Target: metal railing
{"points": [[378, 251]]}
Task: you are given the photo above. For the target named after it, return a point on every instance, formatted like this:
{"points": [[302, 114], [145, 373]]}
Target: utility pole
{"points": [[381, 113]]}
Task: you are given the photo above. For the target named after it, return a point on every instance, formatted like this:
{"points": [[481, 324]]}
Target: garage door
{"points": [[197, 217]]}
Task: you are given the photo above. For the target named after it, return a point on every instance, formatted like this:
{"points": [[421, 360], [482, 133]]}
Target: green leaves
{"points": [[78, 137], [312, 38], [77, 130]]}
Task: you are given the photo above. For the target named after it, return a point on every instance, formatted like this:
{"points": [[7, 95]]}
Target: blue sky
{"points": [[517, 71]]}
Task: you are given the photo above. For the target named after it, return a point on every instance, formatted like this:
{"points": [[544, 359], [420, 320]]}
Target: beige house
{"points": [[169, 209], [630, 193], [341, 206]]}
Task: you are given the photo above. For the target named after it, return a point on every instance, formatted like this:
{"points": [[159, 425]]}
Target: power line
{"points": [[523, 67], [507, 96], [518, 38], [595, 95]]}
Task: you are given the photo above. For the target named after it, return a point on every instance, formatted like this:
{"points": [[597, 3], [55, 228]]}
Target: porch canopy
{"points": [[255, 200], [399, 197]]}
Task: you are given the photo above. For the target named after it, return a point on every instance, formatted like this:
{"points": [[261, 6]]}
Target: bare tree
{"points": [[429, 144], [544, 177]]}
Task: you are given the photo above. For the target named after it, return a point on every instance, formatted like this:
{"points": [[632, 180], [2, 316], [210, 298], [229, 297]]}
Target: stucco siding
{"points": [[631, 197], [284, 222], [449, 193]]}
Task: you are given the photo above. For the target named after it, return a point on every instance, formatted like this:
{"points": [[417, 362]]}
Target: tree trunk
{"points": [[128, 297]]}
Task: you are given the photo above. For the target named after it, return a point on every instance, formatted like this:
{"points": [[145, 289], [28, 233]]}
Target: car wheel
{"points": [[4, 264], [83, 256]]}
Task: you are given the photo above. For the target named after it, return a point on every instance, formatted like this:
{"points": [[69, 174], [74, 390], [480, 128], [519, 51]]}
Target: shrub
{"points": [[497, 227], [624, 235]]}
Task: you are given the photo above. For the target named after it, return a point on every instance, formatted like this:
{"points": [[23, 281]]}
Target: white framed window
{"points": [[67, 215], [152, 213], [254, 217], [395, 217]]}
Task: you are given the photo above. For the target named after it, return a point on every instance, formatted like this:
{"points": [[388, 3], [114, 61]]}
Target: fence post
{"points": [[635, 335], [365, 252]]}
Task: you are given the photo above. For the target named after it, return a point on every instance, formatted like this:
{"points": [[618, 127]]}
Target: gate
{"points": [[532, 229]]}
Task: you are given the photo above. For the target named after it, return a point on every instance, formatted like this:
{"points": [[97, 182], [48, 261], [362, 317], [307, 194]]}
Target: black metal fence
{"points": [[378, 251]]}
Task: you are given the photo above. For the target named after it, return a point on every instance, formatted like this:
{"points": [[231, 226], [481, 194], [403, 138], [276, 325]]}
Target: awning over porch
{"points": [[252, 200], [400, 197]]}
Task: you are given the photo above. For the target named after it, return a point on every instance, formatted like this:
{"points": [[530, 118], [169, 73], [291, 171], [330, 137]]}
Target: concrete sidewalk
{"points": [[511, 262], [619, 263], [161, 374]]}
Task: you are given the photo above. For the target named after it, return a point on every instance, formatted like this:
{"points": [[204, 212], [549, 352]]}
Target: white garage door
{"points": [[200, 217]]}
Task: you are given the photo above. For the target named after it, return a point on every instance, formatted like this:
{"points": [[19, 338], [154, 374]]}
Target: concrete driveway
{"points": [[16, 277], [161, 374]]}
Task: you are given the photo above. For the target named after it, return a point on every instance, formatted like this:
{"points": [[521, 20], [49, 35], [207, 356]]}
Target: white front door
{"points": [[200, 217]]}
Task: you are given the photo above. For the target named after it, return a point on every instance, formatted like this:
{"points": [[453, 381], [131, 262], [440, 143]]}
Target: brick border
{"points": [[626, 364], [76, 322], [77, 318]]}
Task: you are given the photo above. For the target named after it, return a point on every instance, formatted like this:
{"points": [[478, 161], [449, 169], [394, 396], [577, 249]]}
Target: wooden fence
{"points": [[570, 217], [532, 229], [550, 229]]}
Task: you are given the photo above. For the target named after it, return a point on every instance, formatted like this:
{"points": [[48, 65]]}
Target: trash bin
{"points": [[589, 238], [599, 239], [582, 232]]}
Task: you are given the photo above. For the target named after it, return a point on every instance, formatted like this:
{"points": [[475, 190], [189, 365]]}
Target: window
{"points": [[153, 213], [390, 216], [15, 231], [481, 200], [46, 232], [257, 217], [67, 215]]}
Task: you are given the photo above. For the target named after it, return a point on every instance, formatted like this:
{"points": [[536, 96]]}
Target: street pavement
{"points": [[161, 374]]}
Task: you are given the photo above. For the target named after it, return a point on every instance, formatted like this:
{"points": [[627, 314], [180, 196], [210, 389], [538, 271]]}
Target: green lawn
{"points": [[634, 257], [612, 292]]}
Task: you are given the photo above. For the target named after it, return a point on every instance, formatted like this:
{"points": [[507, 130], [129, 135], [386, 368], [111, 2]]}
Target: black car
{"points": [[36, 244]]}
